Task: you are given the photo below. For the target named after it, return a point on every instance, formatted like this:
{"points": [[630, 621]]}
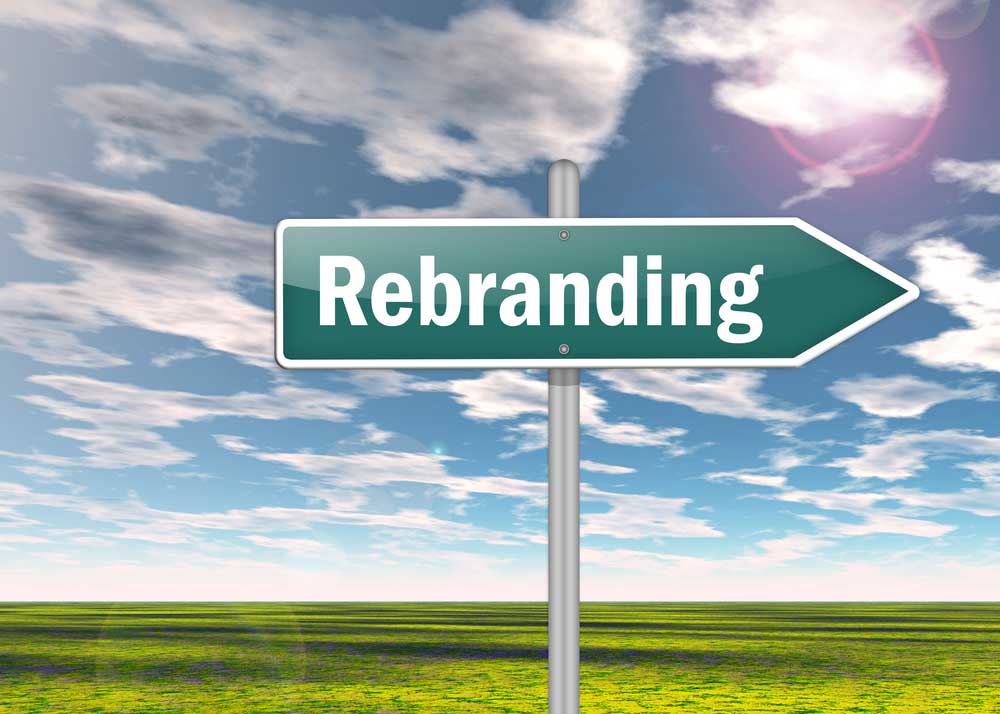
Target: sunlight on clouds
{"points": [[835, 174], [810, 65]]}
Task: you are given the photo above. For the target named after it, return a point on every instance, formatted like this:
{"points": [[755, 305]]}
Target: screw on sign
{"points": [[473, 293]]}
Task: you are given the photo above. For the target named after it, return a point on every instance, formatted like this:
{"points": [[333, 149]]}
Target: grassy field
{"points": [[447, 658]]}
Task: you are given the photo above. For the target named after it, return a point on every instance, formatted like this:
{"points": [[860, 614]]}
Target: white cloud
{"points": [[504, 395], [882, 245], [628, 515], [371, 434], [871, 511], [597, 467], [44, 321], [135, 260], [7, 539], [168, 358], [732, 393], [476, 200], [123, 418], [141, 128], [972, 176], [631, 516], [237, 444], [302, 547], [135, 520], [493, 92], [749, 477], [373, 383], [496, 394], [833, 175], [983, 502], [901, 455], [766, 554], [820, 181], [810, 65], [903, 395], [378, 468], [955, 277]]}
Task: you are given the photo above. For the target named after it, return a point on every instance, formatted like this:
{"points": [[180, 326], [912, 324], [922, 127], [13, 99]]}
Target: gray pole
{"points": [[564, 492]]}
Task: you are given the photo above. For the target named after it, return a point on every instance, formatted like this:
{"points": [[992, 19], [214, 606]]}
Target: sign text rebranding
{"points": [[391, 297]]}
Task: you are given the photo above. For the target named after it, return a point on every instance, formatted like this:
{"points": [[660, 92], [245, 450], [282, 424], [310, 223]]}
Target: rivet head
{"points": [[563, 235], [564, 349]]}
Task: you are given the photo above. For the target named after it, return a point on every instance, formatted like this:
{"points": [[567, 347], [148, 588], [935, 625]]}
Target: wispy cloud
{"points": [[123, 419], [140, 128], [599, 468], [173, 269], [501, 395], [476, 200], [902, 454], [835, 174], [904, 395], [972, 176], [517, 91], [882, 245], [300, 547], [634, 516], [731, 393]]}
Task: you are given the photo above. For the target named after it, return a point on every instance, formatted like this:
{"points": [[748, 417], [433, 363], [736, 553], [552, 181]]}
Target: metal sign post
{"points": [[564, 490], [619, 292]]}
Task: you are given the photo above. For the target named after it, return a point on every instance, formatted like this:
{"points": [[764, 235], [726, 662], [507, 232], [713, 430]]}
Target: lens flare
{"points": [[895, 158]]}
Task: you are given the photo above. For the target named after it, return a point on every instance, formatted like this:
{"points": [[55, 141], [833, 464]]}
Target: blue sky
{"points": [[152, 449]]}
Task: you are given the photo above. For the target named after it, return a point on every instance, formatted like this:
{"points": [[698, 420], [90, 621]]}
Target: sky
{"points": [[151, 448]]}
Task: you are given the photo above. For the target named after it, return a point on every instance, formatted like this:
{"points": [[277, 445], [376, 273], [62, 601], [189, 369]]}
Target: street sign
{"points": [[570, 292]]}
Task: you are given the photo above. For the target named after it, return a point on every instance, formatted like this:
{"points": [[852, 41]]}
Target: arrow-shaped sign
{"points": [[753, 292]]}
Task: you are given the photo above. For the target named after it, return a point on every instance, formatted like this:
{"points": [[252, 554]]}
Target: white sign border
{"points": [[912, 292]]}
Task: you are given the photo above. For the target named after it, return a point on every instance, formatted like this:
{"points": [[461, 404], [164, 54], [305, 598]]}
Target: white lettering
{"points": [[429, 281], [740, 289], [479, 285], [330, 292], [679, 283], [382, 297], [529, 298], [557, 298], [628, 280]]}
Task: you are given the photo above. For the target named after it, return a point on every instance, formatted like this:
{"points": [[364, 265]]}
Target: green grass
{"points": [[448, 658]]}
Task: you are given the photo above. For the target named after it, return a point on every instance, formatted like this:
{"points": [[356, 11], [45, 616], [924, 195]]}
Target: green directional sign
{"points": [[570, 293]]}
